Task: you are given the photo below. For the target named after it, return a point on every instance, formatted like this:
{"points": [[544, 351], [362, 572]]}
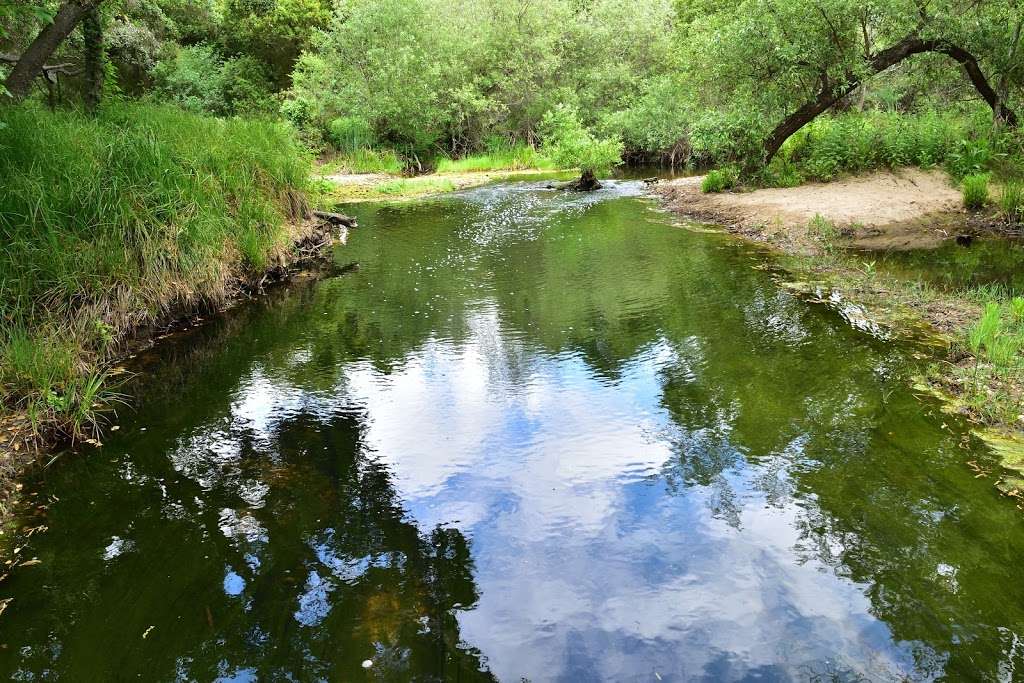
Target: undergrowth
{"points": [[499, 157], [111, 223], [963, 143], [365, 160]]}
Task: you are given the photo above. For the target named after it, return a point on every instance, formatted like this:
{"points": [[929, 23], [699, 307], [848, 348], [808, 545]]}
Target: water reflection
{"points": [[534, 436]]}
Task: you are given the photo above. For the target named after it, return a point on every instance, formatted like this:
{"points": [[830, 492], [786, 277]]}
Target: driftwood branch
{"points": [[49, 71], [336, 218]]}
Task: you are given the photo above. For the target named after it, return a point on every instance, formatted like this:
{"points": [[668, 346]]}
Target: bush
{"points": [[975, 189], [718, 180], [781, 173], [155, 211], [857, 142], [193, 78], [570, 145], [199, 80], [246, 88]]}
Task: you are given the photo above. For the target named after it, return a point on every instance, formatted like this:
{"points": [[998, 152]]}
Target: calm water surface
{"points": [[533, 436]]}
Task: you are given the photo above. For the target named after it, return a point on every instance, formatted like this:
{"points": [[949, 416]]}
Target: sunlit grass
{"points": [[114, 222], [406, 187], [511, 158], [364, 161]]}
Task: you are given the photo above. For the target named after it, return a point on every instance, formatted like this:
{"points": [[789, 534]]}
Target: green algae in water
{"points": [[985, 262], [534, 435]]}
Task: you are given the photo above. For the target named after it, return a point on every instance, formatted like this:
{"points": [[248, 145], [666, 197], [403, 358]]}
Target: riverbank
{"points": [[824, 234], [158, 215]]}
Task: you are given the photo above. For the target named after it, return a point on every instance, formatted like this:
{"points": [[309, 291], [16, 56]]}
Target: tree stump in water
{"points": [[586, 183]]}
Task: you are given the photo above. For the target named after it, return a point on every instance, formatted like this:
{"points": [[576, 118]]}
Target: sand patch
{"points": [[903, 209]]}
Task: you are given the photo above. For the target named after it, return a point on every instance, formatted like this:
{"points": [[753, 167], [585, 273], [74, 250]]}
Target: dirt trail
{"points": [[885, 210]]}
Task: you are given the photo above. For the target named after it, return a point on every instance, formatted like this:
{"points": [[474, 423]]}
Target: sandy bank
{"points": [[885, 210]]}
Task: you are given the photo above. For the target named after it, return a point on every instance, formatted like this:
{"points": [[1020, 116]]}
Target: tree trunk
{"points": [[830, 94], [30, 64], [92, 34]]}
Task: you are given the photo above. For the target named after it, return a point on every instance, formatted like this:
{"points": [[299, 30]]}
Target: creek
{"points": [[533, 435]]}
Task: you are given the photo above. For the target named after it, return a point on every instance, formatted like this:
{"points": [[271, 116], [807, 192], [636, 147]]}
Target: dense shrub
{"points": [[569, 144], [856, 142], [199, 80], [349, 133]]}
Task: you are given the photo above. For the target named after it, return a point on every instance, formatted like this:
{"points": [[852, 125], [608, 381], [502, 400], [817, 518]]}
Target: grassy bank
{"points": [[113, 223]]}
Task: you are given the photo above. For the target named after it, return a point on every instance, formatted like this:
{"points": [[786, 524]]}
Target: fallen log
{"points": [[336, 218]]}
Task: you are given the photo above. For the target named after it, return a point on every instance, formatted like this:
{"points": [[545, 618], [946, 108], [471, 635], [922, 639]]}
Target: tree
{"points": [[831, 93], [30, 63], [92, 34], [790, 60], [570, 145]]}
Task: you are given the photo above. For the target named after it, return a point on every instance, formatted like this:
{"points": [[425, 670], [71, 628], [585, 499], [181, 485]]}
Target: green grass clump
{"points": [[498, 158], [113, 222], [411, 187], [975, 191], [365, 160], [718, 180], [994, 388], [1011, 202]]}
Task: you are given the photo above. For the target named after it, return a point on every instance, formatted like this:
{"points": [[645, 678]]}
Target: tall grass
{"points": [[856, 142], [1011, 202], [502, 157], [365, 160], [718, 180], [975, 191], [114, 222], [996, 341]]}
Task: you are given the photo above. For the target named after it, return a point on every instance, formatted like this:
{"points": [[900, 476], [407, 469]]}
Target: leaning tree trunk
{"points": [[30, 64], [92, 33], [830, 93]]}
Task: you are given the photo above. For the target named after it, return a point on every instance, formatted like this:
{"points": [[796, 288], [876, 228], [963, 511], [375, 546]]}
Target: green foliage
{"points": [[857, 142], [272, 32], [718, 180], [1011, 202], [782, 172], [198, 79], [155, 209], [193, 78], [569, 144], [501, 157], [439, 77], [349, 133], [970, 157], [975, 191], [365, 160]]}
